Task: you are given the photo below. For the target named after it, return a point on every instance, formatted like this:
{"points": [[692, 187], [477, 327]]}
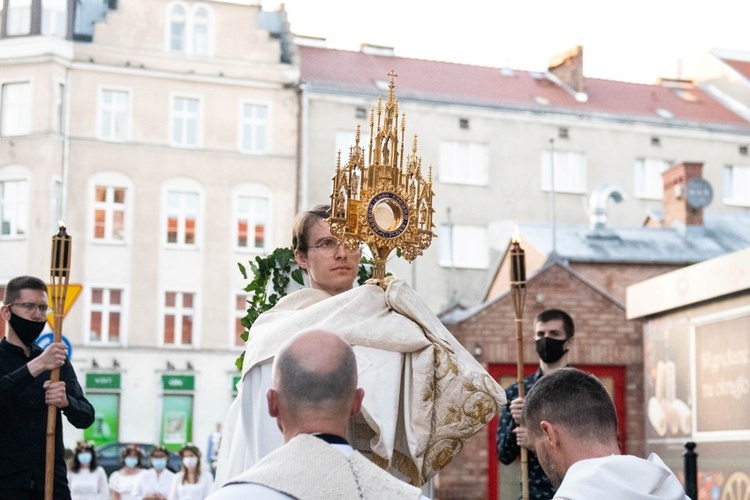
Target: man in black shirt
{"points": [[553, 333], [25, 392]]}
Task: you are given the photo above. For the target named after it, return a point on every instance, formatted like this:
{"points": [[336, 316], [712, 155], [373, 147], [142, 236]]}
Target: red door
{"points": [[613, 378]]}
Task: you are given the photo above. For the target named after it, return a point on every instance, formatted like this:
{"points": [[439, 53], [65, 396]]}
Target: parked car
{"points": [[108, 456]]}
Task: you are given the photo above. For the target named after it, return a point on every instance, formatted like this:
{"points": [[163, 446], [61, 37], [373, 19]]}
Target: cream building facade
{"points": [[493, 135], [164, 134]]}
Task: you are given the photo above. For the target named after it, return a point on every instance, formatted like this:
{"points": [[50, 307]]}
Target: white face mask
{"points": [[190, 462]]}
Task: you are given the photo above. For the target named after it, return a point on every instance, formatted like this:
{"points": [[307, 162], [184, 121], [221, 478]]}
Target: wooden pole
{"points": [[59, 274], [518, 292]]}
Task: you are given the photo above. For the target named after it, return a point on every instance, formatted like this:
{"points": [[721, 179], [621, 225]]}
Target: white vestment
{"points": [[620, 476], [424, 393], [308, 468]]}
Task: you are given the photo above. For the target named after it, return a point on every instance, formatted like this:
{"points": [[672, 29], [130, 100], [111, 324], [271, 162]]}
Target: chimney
{"points": [[685, 195], [568, 68]]}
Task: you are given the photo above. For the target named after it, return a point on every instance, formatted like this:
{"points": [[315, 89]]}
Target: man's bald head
{"points": [[315, 371]]}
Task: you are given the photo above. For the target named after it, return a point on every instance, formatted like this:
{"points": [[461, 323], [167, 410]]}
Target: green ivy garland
{"points": [[276, 269]]}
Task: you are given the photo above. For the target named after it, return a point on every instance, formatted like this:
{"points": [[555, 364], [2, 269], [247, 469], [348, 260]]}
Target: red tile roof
{"points": [[343, 71], [741, 67]]}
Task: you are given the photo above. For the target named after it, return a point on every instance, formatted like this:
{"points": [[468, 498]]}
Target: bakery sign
{"points": [[722, 375]]}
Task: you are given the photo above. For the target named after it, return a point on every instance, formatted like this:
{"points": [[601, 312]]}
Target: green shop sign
{"points": [[103, 381], [178, 382]]}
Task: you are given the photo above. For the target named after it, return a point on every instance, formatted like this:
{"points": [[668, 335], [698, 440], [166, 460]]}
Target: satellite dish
{"points": [[699, 193]]}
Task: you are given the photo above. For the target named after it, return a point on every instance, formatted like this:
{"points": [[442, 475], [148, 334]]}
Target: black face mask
{"points": [[550, 350], [28, 331]]}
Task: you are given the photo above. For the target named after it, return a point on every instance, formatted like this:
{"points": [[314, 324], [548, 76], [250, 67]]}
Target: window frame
{"points": [[22, 119], [106, 309], [179, 318], [455, 238], [125, 114], [188, 39], [254, 124], [254, 191], [114, 180], [56, 15], [174, 115], [464, 162], [25, 20], [16, 175], [563, 179], [729, 175], [183, 186], [641, 178]]}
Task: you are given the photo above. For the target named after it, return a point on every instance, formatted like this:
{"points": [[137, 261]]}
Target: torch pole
{"points": [[518, 292], [59, 275]]}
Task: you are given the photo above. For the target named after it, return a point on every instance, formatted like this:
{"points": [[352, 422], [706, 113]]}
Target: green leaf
{"points": [[297, 276]]}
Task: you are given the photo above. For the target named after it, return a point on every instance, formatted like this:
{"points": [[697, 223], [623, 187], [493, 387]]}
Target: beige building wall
{"points": [[129, 54]]}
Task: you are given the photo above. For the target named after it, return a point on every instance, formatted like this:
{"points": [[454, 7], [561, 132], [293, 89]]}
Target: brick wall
{"points": [[603, 337]]}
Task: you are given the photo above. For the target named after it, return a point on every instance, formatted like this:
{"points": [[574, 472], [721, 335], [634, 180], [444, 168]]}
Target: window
{"points": [[240, 308], [177, 27], [182, 213], [464, 246], [106, 315], [189, 31], [16, 109], [254, 128], [109, 213], [648, 181], [55, 17], [737, 185], [464, 163], [570, 171], [252, 216], [201, 26], [179, 313], [114, 115], [18, 21], [14, 196], [185, 121]]}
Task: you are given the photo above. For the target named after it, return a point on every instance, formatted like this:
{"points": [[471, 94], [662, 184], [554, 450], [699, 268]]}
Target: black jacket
{"points": [[23, 421]]}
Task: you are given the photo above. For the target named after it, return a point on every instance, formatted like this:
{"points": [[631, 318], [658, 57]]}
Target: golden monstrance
{"points": [[384, 202]]}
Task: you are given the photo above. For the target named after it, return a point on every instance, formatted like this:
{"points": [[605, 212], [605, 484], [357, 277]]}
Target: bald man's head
{"points": [[315, 371]]}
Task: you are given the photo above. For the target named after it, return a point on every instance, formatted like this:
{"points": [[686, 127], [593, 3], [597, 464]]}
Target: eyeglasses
{"points": [[329, 246], [30, 307]]}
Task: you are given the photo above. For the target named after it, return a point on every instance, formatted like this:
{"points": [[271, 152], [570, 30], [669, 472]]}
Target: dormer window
{"points": [[189, 30]]}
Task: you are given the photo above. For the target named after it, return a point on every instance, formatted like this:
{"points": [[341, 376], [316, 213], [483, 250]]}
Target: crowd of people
{"points": [[139, 478], [320, 412]]}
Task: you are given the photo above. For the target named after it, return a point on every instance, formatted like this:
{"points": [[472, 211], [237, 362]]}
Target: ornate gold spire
{"points": [[385, 201]]}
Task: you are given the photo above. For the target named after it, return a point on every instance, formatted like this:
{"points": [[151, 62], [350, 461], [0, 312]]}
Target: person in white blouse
{"points": [[122, 482], [156, 482], [191, 483], [87, 481]]}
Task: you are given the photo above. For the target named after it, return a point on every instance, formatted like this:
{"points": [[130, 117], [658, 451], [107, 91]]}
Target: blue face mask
{"points": [[159, 463], [131, 461], [84, 458]]}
